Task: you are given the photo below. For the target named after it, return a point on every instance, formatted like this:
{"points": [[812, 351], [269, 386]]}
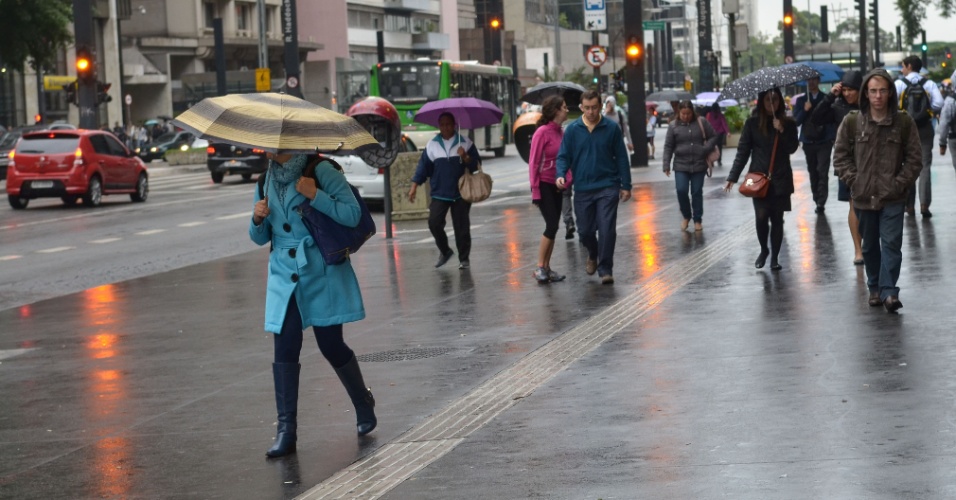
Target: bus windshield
{"points": [[401, 83]]}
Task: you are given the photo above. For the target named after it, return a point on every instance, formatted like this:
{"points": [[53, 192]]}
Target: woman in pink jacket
{"points": [[544, 193]]}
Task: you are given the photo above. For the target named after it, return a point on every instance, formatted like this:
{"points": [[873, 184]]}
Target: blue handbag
{"points": [[336, 241]]}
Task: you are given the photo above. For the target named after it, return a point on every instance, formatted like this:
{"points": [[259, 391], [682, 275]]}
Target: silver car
{"points": [[369, 181]]}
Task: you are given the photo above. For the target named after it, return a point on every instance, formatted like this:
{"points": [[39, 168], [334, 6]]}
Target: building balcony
{"points": [[393, 39], [407, 5], [427, 42]]}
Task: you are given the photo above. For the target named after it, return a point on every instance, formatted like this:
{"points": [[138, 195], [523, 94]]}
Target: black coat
{"points": [[757, 146], [832, 111]]}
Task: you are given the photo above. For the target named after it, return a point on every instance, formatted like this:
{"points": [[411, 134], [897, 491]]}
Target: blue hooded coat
{"points": [[326, 295]]}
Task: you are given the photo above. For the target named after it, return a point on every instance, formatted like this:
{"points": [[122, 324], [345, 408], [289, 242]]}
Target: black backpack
{"points": [[915, 101]]}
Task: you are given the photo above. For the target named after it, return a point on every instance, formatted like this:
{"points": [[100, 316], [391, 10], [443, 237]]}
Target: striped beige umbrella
{"points": [[277, 123]]}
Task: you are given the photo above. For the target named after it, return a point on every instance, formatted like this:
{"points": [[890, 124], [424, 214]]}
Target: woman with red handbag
{"points": [[768, 139]]}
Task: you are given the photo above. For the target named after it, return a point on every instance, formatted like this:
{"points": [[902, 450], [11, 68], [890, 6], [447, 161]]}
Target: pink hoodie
{"points": [[545, 144]]}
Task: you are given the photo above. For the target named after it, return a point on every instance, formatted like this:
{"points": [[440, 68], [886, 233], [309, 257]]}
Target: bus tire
{"points": [[499, 152]]}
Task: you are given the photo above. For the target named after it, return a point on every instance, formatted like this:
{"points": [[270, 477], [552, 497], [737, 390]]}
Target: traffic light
{"points": [[875, 14], [38, 118], [495, 23], [633, 50], [85, 65], [102, 92], [949, 55], [924, 48], [71, 93], [788, 21]]}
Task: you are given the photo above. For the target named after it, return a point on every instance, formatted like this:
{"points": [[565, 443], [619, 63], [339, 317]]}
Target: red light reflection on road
{"points": [[25, 312], [513, 238], [644, 207]]}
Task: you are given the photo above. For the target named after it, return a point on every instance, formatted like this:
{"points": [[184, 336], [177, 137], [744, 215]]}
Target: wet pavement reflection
{"points": [[746, 382]]}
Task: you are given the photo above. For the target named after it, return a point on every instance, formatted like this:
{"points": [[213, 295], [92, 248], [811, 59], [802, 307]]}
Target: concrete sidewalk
{"points": [[694, 376]]}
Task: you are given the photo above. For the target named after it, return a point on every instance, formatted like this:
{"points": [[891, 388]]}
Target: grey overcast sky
{"points": [[937, 28]]}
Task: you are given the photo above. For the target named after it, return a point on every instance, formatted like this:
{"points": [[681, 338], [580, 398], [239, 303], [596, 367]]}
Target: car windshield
{"points": [[8, 140], [168, 137], [45, 144]]}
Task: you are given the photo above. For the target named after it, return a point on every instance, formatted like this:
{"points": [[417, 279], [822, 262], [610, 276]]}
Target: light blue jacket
{"points": [[326, 295]]}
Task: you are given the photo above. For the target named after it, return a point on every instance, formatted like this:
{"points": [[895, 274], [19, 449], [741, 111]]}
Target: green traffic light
{"points": [[923, 47]]}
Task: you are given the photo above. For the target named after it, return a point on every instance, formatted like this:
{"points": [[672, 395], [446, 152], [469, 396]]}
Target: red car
{"points": [[73, 165]]}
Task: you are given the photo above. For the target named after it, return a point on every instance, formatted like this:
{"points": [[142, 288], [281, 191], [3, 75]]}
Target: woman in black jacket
{"points": [[770, 128], [843, 98]]}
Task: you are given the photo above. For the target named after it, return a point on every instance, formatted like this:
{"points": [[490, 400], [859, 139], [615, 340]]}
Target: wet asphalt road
{"points": [[715, 379]]}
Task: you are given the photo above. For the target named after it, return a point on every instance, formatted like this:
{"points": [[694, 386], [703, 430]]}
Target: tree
{"points": [[806, 27], [913, 12], [34, 29], [849, 31]]}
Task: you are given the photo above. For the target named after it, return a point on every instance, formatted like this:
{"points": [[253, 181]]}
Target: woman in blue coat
{"points": [[302, 290]]}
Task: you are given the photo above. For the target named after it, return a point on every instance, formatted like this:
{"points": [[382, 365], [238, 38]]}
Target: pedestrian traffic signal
{"points": [[633, 50], [102, 92], [85, 67], [71, 93]]}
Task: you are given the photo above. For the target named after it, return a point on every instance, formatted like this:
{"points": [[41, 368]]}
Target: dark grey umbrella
{"points": [[569, 90], [765, 79], [670, 95]]}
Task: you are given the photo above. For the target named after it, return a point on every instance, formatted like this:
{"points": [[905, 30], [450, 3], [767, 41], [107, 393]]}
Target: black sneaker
{"points": [[444, 258], [569, 235]]}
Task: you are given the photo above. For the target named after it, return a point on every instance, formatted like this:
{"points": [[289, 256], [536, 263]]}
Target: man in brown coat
{"points": [[878, 155]]}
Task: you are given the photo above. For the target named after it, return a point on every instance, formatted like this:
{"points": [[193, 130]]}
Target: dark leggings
{"points": [[288, 343], [550, 206], [769, 221]]}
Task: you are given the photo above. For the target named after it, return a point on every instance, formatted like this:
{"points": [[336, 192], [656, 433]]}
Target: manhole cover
{"points": [[404, 354]]}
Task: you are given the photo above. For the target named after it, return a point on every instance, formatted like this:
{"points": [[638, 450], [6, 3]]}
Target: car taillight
{"points": [[78, 157], [258, 151], [381, 171], [211, 150]]}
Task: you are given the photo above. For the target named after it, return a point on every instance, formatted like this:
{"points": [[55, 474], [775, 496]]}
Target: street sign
{"points": [[128, 99], [596, 56], [788, 59], [56, 82], [595, 15], [292, 82], [263, 80], [655, 25]]}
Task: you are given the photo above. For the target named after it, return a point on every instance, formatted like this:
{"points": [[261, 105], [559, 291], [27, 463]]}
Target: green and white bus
{"points": [[408, 85]]}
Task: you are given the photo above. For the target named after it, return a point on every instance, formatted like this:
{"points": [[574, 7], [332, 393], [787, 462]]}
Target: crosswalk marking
{"points": [[150, 232], [55, 249], [9, 257], [192, 224], [234, 216], [105, 240]]}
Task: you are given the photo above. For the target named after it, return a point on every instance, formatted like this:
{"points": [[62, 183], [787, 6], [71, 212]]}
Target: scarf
{"points": [[284, 174]]}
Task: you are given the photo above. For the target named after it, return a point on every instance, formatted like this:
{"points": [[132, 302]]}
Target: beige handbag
{"points": [[475, 187]]}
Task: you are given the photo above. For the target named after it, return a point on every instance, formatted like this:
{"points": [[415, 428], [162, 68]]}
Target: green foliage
{"points": [[913, 12], [34, 29], [563, 21], [736, 116], [678, 63]]}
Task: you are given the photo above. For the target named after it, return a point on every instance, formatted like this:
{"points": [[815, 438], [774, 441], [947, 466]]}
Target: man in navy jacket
{"points": [[593, 149], [817, 142], [443, 161]]}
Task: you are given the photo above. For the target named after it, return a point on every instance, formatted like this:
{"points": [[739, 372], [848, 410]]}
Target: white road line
{"points": [[234, 216], [150, 232], [9, 257], [9, 353], [54, 250], [104, 240], [192, 224]]}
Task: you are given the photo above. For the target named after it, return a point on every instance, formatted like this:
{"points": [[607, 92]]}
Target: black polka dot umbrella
{"points": [[765, 79]]}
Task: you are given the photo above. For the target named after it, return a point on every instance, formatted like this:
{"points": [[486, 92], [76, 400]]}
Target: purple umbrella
{"points": [[469, 113]]}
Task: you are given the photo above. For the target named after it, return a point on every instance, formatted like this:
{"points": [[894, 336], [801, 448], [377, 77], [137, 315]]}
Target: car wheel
{"points": [[142, 189], [246, 177], [217, 177], [94, 193], [69, 199], [17, 202]]}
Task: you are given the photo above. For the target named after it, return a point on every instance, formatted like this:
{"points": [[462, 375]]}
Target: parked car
{"points": [[369, 181], [72, 165], [223, 159], [156, 149], [664, 113]]}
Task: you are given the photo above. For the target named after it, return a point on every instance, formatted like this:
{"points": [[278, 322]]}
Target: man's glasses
{"points": [[878, 91]]}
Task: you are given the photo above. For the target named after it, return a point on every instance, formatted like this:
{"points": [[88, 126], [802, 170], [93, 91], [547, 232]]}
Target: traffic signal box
{"points": [[634, 51], [85, 65]]}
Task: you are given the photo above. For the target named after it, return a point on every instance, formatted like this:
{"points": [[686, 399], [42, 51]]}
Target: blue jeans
{"points": [[882, 235], [695, 181], [596, 212]]}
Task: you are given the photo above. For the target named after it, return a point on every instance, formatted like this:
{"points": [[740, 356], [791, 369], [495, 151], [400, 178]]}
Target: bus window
{"points": [[410, 82]]}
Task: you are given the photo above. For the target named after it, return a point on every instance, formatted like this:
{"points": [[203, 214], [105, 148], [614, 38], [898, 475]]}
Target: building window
{"points": [[396, 23], [365, 20], [270, 20], [678, 32], [210, 13], [243, 16]]}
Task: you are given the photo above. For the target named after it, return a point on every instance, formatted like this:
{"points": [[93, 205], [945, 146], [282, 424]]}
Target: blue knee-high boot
{"points": [[286, 378], [361, 396]]}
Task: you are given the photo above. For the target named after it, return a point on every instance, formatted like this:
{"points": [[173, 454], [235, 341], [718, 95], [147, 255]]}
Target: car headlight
{"points": [[153, 150], [137, 150], [184, 147]]}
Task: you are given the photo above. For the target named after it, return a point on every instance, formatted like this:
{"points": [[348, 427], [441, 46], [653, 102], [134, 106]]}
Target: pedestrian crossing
{"points": [[196, 181]]}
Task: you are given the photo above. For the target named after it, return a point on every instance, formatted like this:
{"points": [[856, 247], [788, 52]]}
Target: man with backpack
{"points": [[920, 98]]}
